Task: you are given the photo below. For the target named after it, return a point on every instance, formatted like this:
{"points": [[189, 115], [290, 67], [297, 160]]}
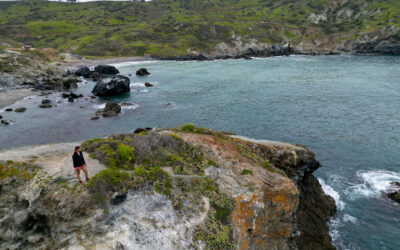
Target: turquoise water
{"points": [[346, 109]]}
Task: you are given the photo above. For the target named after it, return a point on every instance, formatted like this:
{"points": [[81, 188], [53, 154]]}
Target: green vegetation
{"points": [[148, 153], [189, 127], [246, 172], [176, 27], [251, 154], [17, 171]]}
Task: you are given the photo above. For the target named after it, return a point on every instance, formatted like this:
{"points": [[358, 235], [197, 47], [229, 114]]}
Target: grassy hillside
{"points": [[178, 27]]}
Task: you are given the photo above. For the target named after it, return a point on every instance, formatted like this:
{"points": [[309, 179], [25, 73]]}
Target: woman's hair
{"points": [[77, 147]]}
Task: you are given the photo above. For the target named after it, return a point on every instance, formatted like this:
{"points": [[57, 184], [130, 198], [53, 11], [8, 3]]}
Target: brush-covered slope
{"points": [[185, 188], [213, 27]]}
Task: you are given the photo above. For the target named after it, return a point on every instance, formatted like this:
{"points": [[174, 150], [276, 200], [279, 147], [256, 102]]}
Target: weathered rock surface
{"points": [[112, 86], [277, 204], [106, 70], [142, 72]]}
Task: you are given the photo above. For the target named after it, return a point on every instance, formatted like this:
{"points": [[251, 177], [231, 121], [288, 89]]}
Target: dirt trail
{"points": [[55, 159]]}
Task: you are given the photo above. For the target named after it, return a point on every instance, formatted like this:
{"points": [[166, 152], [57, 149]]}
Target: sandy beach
{"points": [[10, 96]]}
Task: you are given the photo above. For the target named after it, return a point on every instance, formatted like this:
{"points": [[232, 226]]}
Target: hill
{"points": [[212, 27]]}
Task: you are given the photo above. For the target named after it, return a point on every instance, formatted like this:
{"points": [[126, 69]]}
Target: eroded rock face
{"points": [[276, 201]]}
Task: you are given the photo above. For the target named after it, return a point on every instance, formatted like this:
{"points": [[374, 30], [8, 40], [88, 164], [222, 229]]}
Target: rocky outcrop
{"points": [[185, 188], [106, 70], [142, 72], [112, 86]]}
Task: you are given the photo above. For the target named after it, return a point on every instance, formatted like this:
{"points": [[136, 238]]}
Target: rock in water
{"points": [[8, 110], [142, 72], [70, 99], [6, 122], [1, 117], [147, 84], [20, 109], [84, 72], [112, 106], [70, 83], [46, 101], [395, 196], [109, 114], [106, 69], [112, 86]]}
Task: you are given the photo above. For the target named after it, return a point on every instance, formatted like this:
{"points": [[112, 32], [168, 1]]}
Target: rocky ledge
{"points": [[183, 188]]}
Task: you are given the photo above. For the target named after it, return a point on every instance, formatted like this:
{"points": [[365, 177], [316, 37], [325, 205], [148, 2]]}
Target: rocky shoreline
{"points": [[211, 191]]}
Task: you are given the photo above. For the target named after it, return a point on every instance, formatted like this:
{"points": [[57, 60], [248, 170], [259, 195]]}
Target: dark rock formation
{"points": [[6, 122], [148, 85], [106, 69], [70, 83], [395, 196], [46, 101], [20, 109], [112, 106], [8, 110], [110, 114], [112, 86], [142, 72], [83, 71]]}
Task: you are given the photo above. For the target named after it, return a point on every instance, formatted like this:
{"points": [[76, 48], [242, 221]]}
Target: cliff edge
{"points": [[183, 188]]}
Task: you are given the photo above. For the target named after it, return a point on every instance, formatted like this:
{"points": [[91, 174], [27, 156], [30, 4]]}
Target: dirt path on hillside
{"points": [[55, 159]]}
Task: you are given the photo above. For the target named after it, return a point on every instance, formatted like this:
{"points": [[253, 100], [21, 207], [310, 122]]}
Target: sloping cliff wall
{"points": [[186, 188]]}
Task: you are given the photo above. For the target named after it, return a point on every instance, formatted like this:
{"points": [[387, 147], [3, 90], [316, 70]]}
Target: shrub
{"points": [[188, 127], [246, 172]]}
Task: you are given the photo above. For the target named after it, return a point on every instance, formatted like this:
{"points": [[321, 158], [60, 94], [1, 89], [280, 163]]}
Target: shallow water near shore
{"points": [[346, 109]]}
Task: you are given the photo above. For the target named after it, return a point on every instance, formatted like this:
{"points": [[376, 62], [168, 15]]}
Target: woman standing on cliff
{"points": [[79, 164]]}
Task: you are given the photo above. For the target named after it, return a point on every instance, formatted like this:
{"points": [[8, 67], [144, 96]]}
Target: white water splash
{"points": [[373, 183], [332, 192]]}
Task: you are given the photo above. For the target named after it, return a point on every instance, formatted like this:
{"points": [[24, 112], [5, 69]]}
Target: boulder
{"points": [[97, 76], [70, 99], [45, 105], [106, 69], [109, 114], [142, 72], [46, 101], [395, 196], [6, 122], [1, 117], [70, 83], [84, 72], [73, 95], [20, 110], [147, 84], [8, 110], [94, 117], [112, 86], [112, 106]]}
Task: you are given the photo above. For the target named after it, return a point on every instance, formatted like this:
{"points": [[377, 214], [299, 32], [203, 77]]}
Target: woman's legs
{"points": [[78, 174]]}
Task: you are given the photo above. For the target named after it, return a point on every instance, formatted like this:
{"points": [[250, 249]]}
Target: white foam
{"points": [[134, 106], [332, 192], [373, 183], [99, 106], [132, 63], [349, 218], [137, 84]]}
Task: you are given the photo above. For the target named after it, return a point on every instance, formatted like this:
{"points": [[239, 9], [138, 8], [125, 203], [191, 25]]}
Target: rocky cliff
{"points": [[184, 188]]}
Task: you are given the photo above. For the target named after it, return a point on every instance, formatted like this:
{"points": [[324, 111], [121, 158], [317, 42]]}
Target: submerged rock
{"points": [[142, 72], [112, 86], [8, 110], [20, 109], [6, 122], [147, 84]]}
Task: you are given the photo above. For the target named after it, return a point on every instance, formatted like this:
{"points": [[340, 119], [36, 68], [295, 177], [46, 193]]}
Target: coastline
{"points": [[11, 96]]}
